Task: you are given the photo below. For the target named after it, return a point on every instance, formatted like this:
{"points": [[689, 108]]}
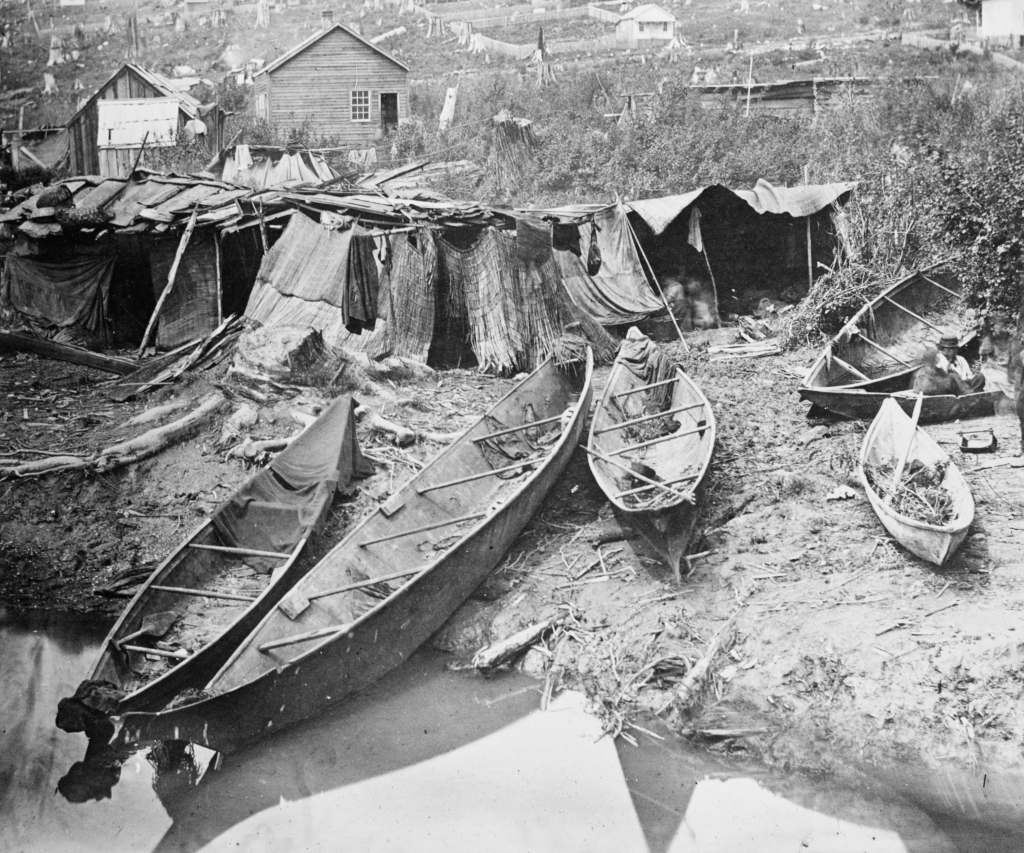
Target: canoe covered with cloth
{"points": [[650, 446], [395, 578], [878, 351], [207, 596]]}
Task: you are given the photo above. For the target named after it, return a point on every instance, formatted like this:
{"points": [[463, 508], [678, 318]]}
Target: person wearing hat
{"points": [[957, 365]]}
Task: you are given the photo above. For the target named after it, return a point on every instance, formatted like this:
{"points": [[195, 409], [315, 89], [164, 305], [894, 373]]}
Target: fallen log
{"points": [[152, 442], [50, 465], [511, 647], [21, 342], [156, 413], [250, 449], [691, 685]]}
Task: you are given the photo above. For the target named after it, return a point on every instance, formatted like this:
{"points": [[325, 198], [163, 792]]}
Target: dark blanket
{"points": [[359, 303], [289, 498], [642, 357], [72, 293]]}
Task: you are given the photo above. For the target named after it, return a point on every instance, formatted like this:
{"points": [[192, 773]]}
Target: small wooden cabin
{"points": [[646, 23], [106, 134], [343, 84]]}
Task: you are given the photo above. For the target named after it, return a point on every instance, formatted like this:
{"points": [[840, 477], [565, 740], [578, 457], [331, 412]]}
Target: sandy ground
{"points": [[847, 650]]}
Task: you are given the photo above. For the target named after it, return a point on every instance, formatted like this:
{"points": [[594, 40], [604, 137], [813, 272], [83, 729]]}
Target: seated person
{"points": [[957, 366]]}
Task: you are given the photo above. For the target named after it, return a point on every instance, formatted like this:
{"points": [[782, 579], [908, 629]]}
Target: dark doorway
{"points": [[388, 111]]}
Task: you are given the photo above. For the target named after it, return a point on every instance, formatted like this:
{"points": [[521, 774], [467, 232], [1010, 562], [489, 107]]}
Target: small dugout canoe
{"points": [[886, 439], [215, 587], [878, 351], [650, 447], [396, 578]]}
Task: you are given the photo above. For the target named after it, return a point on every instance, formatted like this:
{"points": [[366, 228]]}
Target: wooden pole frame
{"points": [[182, 245]]}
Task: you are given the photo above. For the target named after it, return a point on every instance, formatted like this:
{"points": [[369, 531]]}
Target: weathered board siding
{"points": [[84, 130], [316, 84]]}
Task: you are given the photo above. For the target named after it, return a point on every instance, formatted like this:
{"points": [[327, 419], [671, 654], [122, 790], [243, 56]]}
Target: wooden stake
{"points": [[902, 463], [810, 253], [182, 244]]}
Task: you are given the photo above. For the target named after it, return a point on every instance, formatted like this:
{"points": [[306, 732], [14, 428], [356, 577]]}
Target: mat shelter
{"points": [[450, 283], [734, 248], [92, 257]]}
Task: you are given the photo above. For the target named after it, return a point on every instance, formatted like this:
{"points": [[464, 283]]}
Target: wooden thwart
{"points": [[645, 418], [181, 654], [640, 388], [940, 287], [550, 420], [882, 349], [469, 478], [639, 489], [368, 582], [423, 528], [849, 368], [204, 593], [302, 638], [649, 442], [683, 496], [907, 311], [242, 552]]}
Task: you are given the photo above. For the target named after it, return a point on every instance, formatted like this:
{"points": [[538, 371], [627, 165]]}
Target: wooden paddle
{"points": [[154, 625], [905, 455]]}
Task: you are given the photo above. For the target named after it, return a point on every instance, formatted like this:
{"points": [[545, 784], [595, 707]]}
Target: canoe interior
{"points": [[679, 461], [860, 404], [548, 393], [893, 329], [883, 444], [200, 620]]}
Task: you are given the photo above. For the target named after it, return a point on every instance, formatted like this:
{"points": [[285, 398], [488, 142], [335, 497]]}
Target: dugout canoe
{"points": [[222, 580], [885, 440], [397, 576], [876, 353], [654, 482]]}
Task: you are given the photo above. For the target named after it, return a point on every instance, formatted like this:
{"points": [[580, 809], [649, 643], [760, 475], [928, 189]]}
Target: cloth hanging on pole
{"points": [[694, 237]]}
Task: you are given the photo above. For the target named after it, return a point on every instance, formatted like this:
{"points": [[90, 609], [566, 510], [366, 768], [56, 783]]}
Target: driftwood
{"points": [[156, 413], [610, 532], [506, 650], [152, 442], [691, 685], [250, 449], [403, 435], [125, 453]]}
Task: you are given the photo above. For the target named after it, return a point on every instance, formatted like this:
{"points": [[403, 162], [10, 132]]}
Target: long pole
{"points": [[657, 284], [750, 82], [810, 254], [182, 244]]}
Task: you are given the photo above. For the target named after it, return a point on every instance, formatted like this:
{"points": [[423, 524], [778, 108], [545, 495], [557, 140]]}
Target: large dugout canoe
{"points": [[884, 442], [650, 447], [396, 578], [203, 596], [877, 352]]}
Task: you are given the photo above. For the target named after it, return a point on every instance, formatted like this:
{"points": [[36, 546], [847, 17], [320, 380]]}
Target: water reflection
{"points": [[381, 759]]}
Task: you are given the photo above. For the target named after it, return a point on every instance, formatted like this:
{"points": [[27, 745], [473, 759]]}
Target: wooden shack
{"points": [[106, 134], [341, 83], [646, 23]]}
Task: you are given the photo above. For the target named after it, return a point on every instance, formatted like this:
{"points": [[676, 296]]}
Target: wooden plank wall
{"points": [[316, 84]]}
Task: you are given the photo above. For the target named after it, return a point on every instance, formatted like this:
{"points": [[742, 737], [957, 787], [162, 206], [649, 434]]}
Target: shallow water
{"points": [[436, 759]]}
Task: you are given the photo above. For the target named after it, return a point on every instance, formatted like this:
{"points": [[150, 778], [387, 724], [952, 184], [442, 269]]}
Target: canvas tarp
{"points": [[289, 498], [619, 292], [263, 170], [800, 201], [68, 294]]}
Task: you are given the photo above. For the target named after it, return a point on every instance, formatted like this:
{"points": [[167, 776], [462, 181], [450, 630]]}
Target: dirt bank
{"points": [[846, 647]]}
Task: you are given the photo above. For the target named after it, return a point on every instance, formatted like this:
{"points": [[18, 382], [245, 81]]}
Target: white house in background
{"points": [[1003, 20], [646, 23]]}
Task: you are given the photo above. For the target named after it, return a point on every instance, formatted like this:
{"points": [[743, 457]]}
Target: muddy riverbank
{"points": [[847, 650]]}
